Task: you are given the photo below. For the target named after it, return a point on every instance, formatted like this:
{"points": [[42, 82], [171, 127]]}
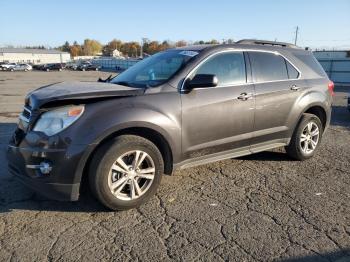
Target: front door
{"points": [[217, 119]]}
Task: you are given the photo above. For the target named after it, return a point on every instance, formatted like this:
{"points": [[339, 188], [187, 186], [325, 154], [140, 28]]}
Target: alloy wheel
{"points": [[309, 138], [131, 175]]}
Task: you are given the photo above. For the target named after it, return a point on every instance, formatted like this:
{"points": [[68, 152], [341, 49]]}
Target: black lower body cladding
{"points": [[62, 179]]}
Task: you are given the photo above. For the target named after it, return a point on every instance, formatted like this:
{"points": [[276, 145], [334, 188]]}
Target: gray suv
{"points": [[176, 109]]}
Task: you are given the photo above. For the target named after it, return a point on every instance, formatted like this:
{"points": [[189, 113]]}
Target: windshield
{"points": [[155, 70]]}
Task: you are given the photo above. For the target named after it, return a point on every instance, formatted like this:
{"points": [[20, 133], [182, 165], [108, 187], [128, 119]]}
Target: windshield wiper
{"points": [[123, 83], [105, 80]]}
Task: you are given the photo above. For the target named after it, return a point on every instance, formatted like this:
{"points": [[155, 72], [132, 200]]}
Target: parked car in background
{"points": [[72, 65], [87, 66], [52, 67], [21, 67], [38, 66], [8, 66], [179, 108]]}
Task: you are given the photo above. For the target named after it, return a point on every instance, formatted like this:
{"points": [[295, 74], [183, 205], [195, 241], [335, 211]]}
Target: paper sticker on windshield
{"points": [[189, 53]]}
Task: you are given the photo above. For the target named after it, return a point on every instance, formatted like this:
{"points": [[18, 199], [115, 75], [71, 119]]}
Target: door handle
{"points": [[245, 96], [294, 87]]}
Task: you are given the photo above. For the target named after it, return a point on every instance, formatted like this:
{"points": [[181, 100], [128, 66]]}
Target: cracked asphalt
{"points": [[263, 207]]}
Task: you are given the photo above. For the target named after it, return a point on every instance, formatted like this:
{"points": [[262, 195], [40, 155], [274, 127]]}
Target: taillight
{"points": [[331, 88]]}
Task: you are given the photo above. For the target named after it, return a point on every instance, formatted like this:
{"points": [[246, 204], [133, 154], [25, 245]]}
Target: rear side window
{"points": [[228, 67], [268, 66], [292, 72], [311, 62]]}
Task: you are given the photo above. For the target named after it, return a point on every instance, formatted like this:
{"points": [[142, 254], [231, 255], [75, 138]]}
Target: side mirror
{"points": [[201, 80]]}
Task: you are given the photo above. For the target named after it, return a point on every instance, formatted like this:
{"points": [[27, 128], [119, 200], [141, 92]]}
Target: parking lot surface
{"points": [[263, 207]]}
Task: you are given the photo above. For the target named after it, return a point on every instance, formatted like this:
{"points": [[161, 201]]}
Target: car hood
{"points": [[78, 91]]}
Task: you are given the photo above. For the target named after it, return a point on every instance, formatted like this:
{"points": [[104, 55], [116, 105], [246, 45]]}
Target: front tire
{"points": [[306, 138], [126, 172]]}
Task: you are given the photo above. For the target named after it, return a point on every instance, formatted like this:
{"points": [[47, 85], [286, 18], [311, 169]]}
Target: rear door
{"points": [[217, 119], [277, 88]]}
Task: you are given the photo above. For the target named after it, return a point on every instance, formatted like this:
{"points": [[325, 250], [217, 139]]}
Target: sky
{"points": [[322, 24]]}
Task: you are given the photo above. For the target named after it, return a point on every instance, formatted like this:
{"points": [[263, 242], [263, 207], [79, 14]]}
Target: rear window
{"points": [[311, 62], [268, 66]]}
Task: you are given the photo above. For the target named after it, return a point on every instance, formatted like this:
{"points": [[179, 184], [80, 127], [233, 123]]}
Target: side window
{"points": [[292, 72], [229, 68], [268, 66]]}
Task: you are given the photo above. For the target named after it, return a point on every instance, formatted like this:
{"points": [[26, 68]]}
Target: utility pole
{"points": [[141, 51], [296, 35], [144, 40]]}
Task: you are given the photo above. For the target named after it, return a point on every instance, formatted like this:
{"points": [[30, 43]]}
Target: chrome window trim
{"points": [[246, 83], [22, 117]]}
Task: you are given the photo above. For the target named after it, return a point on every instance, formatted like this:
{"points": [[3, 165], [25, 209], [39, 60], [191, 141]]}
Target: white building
{"points": [[117, 53], [34, 56]]}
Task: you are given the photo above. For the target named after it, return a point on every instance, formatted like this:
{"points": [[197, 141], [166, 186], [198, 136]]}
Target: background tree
{"points": [[180, 43], [153, 47], [201, 42], [75, 50], [111, 46], [131, 49], [91, 47], [65, 47], [213, 42], [165, 45]]}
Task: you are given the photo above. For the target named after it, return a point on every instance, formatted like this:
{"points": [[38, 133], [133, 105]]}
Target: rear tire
{"points": [[121, 187], [306, 138]]}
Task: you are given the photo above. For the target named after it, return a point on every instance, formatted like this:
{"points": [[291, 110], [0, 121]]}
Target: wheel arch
{"points": [[318, 111], [149, 133]]}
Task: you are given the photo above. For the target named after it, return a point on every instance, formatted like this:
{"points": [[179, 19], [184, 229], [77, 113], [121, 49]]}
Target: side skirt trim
{"points": [[226, 155]]}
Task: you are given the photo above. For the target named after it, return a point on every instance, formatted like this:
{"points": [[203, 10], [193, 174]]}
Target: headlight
{"points": [[56, 120]]}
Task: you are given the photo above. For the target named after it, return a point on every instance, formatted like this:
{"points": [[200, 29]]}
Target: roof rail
{"points": [[265, 42]]}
